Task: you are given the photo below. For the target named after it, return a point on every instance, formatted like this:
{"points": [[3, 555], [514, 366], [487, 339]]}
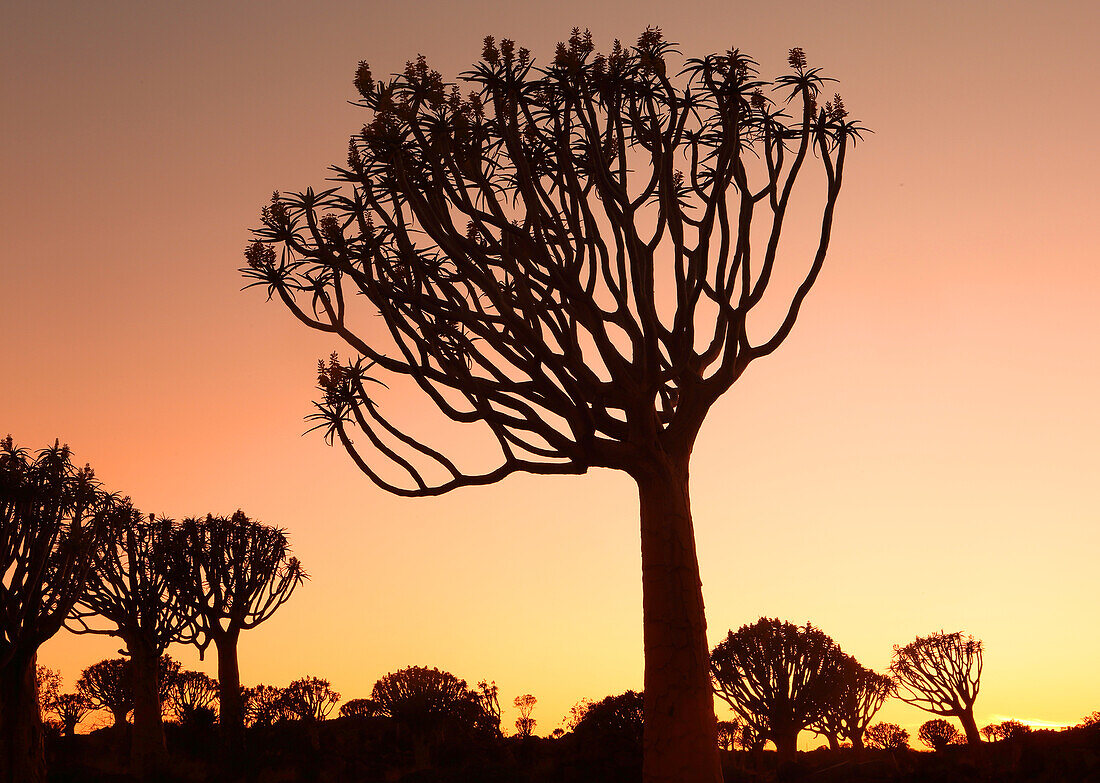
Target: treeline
{"points": [[781, 679], [74, 555]]}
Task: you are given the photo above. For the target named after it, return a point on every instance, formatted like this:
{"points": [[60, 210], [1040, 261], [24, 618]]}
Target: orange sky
{"points": [[921, 454]]}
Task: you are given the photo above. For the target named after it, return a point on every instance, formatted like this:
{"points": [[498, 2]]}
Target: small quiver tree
{"points": [[432, 707], [70, 709], [129, 588], [860, 694], [53, 518], [937, 734], [561, 260], [780, 678], [729, 734], [107, 686], [360, 708], [232, 573], [1005, 730], [525, 724], [265, 705], [887, 736], [310, 699], [941, 674], [191, 694]]}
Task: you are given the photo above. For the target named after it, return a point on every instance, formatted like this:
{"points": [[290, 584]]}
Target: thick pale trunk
{"points": [[680, 741], [973, 736], [22, 746], [148, 752], [230, 712]]}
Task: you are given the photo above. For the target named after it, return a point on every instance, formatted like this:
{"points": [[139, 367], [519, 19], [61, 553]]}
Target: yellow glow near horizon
{"points": [[920, 454]]}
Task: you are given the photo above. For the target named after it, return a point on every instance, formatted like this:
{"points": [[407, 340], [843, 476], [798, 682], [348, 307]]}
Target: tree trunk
{"points": [[22, 745], [148, 751], [680, 742], [973, 736], [230, 708], [786, 746], [834, 741], [857, 740]]}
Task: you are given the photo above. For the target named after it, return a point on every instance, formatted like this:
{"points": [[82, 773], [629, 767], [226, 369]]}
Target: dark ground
{"points": [[368, 750]]}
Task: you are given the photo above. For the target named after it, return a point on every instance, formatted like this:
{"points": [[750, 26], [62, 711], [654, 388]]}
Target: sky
{"points": [[921, 454]]}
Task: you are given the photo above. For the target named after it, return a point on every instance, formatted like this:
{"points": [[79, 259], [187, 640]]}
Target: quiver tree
{"points": [[941, 673], [561, 259], [613, 724], [107, 686], [938, 734], [859, 695], [232, 573], [729, 734], [360, 708], [778, 677], [129, 588], [310, 698], [265, 705], [887, 736], [48, 682], [1005, 730], [70, 709], [53, 518], [191, 693], [525, 724], [432, 706], [487, 697]]}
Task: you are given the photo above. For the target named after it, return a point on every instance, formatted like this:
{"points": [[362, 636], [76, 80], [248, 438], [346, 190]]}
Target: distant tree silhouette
{"points": [[620, 717], [360, 708], [190, 692], [70, 709], [860, 694], [53, 517], [107, 686], [941, 673], [887, 736], [431, 705], [129, 587], [265, 705], [233, 573], [576, 712], [525, 724], [310, 698], [521, 247], [1092, 719], [48, 682], [1005, 730], [938, 734], [487, 697], [729, 734], [780, 678]]}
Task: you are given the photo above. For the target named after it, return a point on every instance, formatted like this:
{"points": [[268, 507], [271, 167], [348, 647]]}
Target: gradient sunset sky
{"points": [[921, 454]]}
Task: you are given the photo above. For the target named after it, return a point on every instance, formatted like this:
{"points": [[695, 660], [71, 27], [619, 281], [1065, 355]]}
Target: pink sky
{"points": [[921, 454]]}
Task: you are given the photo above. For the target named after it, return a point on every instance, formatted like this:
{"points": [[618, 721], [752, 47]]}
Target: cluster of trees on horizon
{"points": [[80, 558]]}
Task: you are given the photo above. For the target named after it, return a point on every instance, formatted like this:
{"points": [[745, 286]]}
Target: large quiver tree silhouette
{"points": [[860, 694], [780, 678], [233, 573], [563, 257], [130, 588], [941, 674], [53, 518]]}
